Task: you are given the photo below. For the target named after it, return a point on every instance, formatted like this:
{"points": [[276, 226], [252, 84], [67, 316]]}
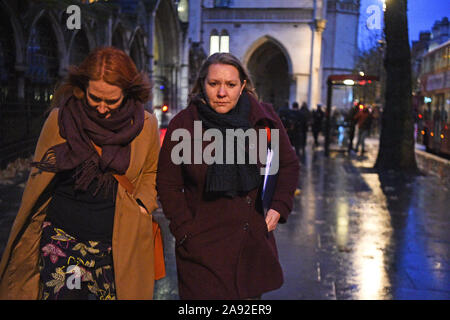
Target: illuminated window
{"points": [[183, 10], [219, 43], [224, 42], [214, 42]]}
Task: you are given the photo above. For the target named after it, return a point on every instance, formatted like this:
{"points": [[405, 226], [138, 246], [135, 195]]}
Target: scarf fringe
{"points": [[107, 183], [47, 163], [87, 172]]}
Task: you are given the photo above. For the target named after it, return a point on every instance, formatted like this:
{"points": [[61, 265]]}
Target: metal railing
{"points": [[20, 125]]}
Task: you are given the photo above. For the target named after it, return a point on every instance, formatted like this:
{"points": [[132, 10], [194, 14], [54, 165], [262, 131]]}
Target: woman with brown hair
{"points": [[225, 248], [79, 234]]}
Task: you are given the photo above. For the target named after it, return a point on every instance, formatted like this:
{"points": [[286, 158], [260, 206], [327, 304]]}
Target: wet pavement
{"points": [[353, 234]]}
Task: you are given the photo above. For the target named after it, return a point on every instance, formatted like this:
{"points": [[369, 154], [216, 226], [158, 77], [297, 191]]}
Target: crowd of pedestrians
{"points": [[357, 122]]}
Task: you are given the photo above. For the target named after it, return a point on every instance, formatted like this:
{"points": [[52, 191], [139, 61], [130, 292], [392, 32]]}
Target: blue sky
{"points": [[421, 16]]}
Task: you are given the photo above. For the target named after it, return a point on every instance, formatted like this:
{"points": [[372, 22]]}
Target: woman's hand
{"points": [[143, 210], [272, 218]]}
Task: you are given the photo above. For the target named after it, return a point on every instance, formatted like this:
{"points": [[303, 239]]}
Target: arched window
{"points": [[183, 10], [224, 41], [136, 54], [214, 42], [80, 48], [42, 62], [219, 43], [117, 39]]}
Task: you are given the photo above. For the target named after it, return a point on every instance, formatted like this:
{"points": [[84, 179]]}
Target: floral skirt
{"points": [[72, 269]]}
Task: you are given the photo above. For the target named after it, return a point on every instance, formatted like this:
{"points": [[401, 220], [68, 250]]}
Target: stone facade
{"points": [[289, 47], [37, 47]]}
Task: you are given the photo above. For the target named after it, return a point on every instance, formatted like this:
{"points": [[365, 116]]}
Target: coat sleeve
{"points": [[146, 192], [37, 181], [288, 174], [170, 186]]}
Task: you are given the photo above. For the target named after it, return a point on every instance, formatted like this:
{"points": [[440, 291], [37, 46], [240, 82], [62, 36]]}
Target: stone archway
{"points": [[269, 70], [137, 50], [118, 38], [166, 52]]}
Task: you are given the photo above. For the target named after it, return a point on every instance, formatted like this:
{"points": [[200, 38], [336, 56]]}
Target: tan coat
{"points": [[132, 241]]}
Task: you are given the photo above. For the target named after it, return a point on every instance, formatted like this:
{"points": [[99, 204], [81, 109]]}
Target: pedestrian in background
{"points": [[317, 119], [352, 124], [225, 248], [301, 117], [296, 118], [288, 118], [364, 121], [74, 219]]}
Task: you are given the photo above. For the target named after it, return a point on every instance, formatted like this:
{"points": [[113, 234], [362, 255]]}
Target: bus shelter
{"points": [[341, 80]]}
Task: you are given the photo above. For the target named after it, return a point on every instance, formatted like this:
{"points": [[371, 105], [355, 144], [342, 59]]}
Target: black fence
{"points": [[20, 125]]}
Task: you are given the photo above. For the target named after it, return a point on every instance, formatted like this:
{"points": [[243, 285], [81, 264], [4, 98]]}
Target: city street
{"points": [[344, 69], [352, 234]]}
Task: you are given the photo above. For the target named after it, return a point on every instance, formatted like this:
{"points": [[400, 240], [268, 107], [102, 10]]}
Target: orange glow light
{"points": [[165, 108]]}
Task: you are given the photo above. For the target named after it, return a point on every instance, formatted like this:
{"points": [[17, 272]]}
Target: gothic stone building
{"points": [[289, 47], [37, 47]]}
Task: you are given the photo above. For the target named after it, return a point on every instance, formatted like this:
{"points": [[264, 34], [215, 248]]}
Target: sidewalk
{"points": [[352, 234], [356, 235]]}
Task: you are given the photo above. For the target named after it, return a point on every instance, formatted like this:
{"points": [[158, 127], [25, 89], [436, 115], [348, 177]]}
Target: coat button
{"points": [[246, 226], [249, 200]]}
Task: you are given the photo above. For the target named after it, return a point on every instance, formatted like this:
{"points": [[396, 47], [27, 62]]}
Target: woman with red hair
{"points": [[79, 234]]}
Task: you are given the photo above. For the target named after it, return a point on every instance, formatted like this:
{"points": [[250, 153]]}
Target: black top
{"points": [[79, 213]]}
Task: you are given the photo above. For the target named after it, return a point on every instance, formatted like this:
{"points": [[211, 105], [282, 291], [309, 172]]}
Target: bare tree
{"points": [[397, 132]]}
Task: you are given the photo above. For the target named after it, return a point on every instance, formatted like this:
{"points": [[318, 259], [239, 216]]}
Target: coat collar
{"points": [[260, 112]]}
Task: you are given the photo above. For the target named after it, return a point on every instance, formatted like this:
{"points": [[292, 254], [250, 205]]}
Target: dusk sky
{"points": [[422, 14]]}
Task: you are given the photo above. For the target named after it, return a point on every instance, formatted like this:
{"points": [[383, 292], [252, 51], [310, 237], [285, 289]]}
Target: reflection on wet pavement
{"points": [[355, 234]]}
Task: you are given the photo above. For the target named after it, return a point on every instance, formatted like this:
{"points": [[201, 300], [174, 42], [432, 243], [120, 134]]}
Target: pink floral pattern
{"points": [[59, 251], [54, 251]]}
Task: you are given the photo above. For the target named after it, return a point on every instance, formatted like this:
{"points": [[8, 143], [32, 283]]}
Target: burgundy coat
{"points": [[223, 248]]}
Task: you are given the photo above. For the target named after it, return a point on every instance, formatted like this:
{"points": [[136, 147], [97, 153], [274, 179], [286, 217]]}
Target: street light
{"points": [[349, 82]]}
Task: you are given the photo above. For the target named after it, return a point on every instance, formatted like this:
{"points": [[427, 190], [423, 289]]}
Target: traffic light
{"points": [[164, 108]]}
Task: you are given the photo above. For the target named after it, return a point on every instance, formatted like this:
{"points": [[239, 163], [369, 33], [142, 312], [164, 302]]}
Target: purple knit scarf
{"points": [[80, 124]]}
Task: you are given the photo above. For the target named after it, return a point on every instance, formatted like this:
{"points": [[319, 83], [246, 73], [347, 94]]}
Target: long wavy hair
{"points": [[197, 92], [109, 64]]}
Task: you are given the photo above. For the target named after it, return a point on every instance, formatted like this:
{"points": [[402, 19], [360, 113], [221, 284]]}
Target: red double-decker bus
{"points": [[433, 113]]}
